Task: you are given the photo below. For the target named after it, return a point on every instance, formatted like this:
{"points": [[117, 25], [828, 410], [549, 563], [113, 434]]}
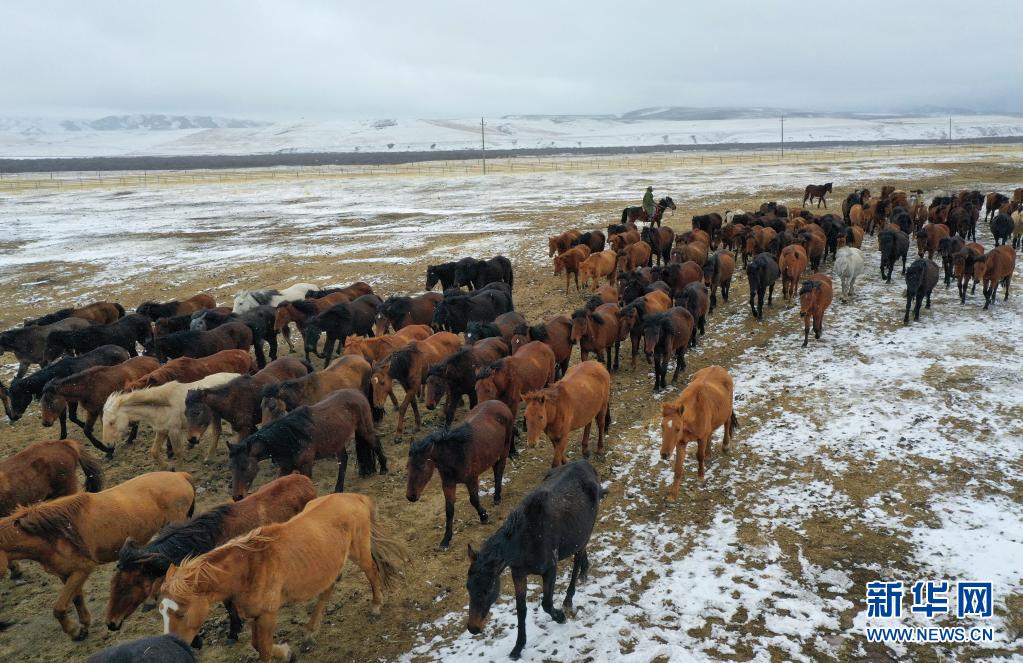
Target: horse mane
{"points": [[395, 307], [460, 436], [401, 362], [304, 306], [484, 329], [537, 332], [52, 521], [809, 286], [286, 435], [50, 318], [490, 369], [175, 542], [580, 313]]}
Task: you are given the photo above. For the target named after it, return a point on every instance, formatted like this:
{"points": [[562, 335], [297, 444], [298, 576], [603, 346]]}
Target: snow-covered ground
{"points": [[26, 139]]}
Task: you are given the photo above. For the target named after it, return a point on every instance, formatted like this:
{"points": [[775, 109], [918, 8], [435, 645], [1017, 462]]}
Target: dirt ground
{"points": [[433, 585]]}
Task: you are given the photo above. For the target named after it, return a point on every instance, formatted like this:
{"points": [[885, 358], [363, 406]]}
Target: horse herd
{"points": [[202, 365]]}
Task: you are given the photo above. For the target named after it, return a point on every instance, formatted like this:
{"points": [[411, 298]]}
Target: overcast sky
{"points": [[294, 59]]}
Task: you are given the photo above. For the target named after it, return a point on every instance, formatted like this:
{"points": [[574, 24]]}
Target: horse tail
{"points": [[367, 391], [308, 366], [366, 441], [735, 422], [389, 553], [91, 468], [607, 413], [120, 310], [625, 215]]}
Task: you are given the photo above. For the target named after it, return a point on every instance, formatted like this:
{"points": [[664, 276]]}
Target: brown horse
{"points": [[962, 268], [375, 348], [717, 275], [792, 265], [995, 268], [460, 455], [532, 367], [399, 312], [44, 471], [90, 389], [703, 406], [237, 402], [818, 191], [667, 334], [631, 316], [279, 398], [408, 367], [301, 310], [598, 331], [928, 237], [189, 369], [280, 564], [569, 262], [660, 240], [455, 376], [578, 400], [102, 312], [598, 265], [558, 244], [556, 332], [619, 241], [695, 250], [307, 434], [70, 536], [141, 566], [155, 310], [814, 300], [632, 256]]}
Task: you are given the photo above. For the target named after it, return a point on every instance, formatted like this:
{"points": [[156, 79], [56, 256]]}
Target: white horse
{"points": [[246, 300], [163, 408], [730, 214], [848, 266]]}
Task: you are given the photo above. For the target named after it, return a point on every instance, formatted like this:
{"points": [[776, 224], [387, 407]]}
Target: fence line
{"points": [[21, 182]]}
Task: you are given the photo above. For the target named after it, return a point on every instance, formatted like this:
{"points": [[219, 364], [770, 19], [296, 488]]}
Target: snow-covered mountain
{"points": [[133, 135]]}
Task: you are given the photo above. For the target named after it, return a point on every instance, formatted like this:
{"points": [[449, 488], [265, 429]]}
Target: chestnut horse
{"points": [[141, 566], [189, 369], [377, 347], [460, 455], [44, 471], [71, 536], [578, 400], [717, 275], [408, 367], [556, 332], [993, 269], [305, 435], [558, 244], [280, 564], [532, 367], [281, 397], [792, 264], [598, 331], [599, 265], [962, 268], [569, 262], [102, 312], [455, 376], [928, 237], [630, 319], [399, 312], [814, 299], [665, 334], [703, 406], [632, 256]]}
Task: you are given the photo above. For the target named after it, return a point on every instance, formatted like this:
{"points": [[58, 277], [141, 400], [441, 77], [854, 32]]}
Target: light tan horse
{"points": [[703, 406], [280, 564], [70, 536], [375, 348], [580, 398]]}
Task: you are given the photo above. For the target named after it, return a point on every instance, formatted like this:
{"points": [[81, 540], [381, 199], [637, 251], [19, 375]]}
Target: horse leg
{"points": [[286, 333], [680, 362], [415, 408], [701, 456], [806, 330], [84, 618], [409, 398], [577, 563], [560, 444], [263, 628], [272, 342], [547, 602], [236, 623], [156, 450], [63, 425], [72, 413], [316, 618], [342, 468], [498, 476], [473, 485], [519, 578], [818, 325], [680, 459], [22, 369], [71, 590], [585, 441]]}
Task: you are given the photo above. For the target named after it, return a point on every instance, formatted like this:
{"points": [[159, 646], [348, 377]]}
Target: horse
{"points": [[100, 312], [5, 398], [992, 202], [348, 372], [598, 331], [849, 264], [814, 299], [353, 291], [597, 265], [141, 566], [24, 389], [89, 389], [399, 312], [460, 455], [814, 243], [44, 471], [455, 313], [307, 434], [761, 273], [710, 224], [506, 379], [162, 408], [443, 273], [702, 407], [893, 244], [72, 535], [502, 327], [455, 375], [231, 336], [551, 523], [665, 334], [1017, 229], [928, 237], [246, 300], [126, 332], [375, 348], [236, 402], [300, 310], [792, 264], [28, 344], [339, 322], [1001, 228], [408, 367], [962, 268], [153, 649], [660, 240], [818, 191], [717, 275], [183, 322], [696, 300], [696, 250], [478, 273], [190, 369], [579, 399], [921, 277], [947, 248], [619, 241], [569, 262], [659, 207], [994, 268], [558, 244], [556, 333], [283, 563], [260, 320], [156, 310], [632, 256]]}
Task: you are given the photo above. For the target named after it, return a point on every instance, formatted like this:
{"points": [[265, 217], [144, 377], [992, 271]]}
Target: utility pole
{"points": [[782, 136], [483, 143], [949, 133]]}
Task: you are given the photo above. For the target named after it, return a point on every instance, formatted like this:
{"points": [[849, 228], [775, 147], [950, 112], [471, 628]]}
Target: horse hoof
{"points": [[485, 518], [443, 547], [307, 645], [83, 632], [559, 616], [232, 640], [148, 607]]}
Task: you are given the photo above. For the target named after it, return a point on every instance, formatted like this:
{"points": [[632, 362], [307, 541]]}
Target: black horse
{"points": [[591, 238], [126, 332], [762, 272], [833, 229], [154, 649], [456, 375], [921, 277], [894, 244], [455, 313], [444, 274], [948, 247], [550, 524], [1001, 228], [260, 320], [339, 322], [475, 274]]}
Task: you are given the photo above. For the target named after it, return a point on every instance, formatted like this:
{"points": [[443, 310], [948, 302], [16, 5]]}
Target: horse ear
{"points": [[472, 553]]}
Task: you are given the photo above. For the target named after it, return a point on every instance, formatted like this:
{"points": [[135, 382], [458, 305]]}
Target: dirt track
{"points": [[434, 583]]}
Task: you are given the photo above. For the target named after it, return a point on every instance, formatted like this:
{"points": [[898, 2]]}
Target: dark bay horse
{"points": [[556, 332], [633, 214], [455, 376], [818, 191], [460, 455], [667, 334]]}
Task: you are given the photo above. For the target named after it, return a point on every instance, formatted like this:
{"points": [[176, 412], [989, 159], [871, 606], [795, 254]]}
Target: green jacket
{"points": [[648, 202]]}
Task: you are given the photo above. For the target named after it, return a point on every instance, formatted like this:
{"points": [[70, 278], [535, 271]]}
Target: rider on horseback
{"points": [[648, 201]]}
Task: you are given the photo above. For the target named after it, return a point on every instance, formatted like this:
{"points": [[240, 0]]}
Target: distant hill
{"points": [[139, 122]]}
